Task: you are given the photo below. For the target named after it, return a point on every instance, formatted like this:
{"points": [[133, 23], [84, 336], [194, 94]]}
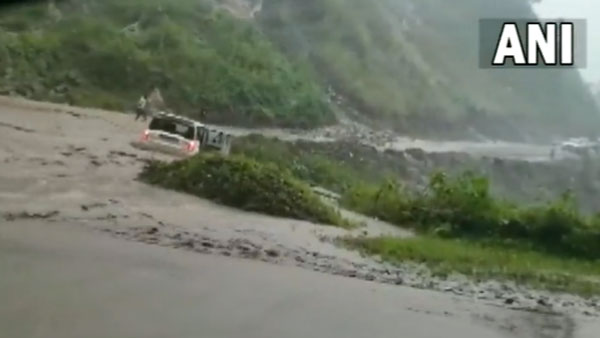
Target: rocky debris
{"points": [[72, 150], [74, 114], [30, 215], [45, 162], [504, 294], [18, 128], [110, 217], [96, 163], [272, 253], [115, 156], [122, 154], [87, 207], [530, 323]]}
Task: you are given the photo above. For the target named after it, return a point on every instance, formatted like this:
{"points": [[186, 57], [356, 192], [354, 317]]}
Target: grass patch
{"points": [[463, 207], [243, 183], [488, 261]]}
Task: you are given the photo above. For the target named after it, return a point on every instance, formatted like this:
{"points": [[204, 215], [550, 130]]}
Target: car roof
{"points": [[179, 118], [194, 122]]}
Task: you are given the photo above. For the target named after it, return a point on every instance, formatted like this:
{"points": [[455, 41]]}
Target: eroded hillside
{"points": [[415, 64], [405, 64]]}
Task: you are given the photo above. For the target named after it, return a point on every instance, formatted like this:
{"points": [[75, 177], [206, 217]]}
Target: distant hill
{"points": [[414, 64], [407, 64]]}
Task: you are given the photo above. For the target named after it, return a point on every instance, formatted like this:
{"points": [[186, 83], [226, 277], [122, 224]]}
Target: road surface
{"points": [[65, 281]]}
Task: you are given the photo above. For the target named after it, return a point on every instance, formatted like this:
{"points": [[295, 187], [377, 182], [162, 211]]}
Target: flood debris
{"points": [[10, 217]]}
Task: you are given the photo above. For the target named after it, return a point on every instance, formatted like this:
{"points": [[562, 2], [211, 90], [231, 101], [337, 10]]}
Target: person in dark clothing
{"points": [[203, 114], [140, 110]]}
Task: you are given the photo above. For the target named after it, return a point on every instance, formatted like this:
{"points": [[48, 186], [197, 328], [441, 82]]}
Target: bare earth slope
{"points": [[68, 174]]}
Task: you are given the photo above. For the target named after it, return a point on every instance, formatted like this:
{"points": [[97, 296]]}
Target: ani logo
{"points": [[552, 44], [526, 43]]}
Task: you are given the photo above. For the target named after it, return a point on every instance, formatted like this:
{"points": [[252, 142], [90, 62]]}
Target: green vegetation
{"points": [[462, 207], [327, 165], [407, 64], [243, 183], [485, 261], [107, 53], [462, 227], [414, 65]]}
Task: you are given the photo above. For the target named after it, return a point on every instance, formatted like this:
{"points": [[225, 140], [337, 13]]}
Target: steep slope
{"points": [[415, 64], [407, 64], [106, 53]]}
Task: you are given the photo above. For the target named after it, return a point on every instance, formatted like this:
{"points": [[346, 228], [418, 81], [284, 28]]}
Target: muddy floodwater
{"points": [[62, 280], [88, 251]]}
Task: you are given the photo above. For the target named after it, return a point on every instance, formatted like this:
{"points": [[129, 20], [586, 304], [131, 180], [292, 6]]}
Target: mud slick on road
{"points": [[66, 165]]}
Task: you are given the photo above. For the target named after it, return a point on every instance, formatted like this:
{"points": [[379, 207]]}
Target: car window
{"points": [[201, 133], [173, 127]]}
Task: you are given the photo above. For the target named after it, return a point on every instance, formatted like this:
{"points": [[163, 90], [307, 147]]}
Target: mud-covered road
{"points": [[63, 281], [73, 217], [388, 141]]}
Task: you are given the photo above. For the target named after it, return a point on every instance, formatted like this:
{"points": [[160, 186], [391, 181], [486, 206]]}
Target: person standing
{"points": [[141, 108]]}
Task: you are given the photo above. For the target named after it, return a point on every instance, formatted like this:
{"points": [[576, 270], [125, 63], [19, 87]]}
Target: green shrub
{"points": [[243, 183], [462, 207], [307, 161], [488, 261]]}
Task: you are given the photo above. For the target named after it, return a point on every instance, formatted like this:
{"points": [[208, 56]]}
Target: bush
{"points": [[200, 58], [484, 262], [462, 207], [307, 161], [243, 183]]}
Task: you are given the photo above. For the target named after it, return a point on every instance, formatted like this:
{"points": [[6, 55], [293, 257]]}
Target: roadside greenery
{"points": [[461, 226], [308, 161], [243, 183], [107, 53], [486, 261], [463, 207]]}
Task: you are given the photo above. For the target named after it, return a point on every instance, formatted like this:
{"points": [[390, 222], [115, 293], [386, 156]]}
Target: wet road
{"points": [[65, 281]]}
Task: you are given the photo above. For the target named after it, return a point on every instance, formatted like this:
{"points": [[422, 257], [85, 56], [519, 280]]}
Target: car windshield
{"points": [[175, 127]]}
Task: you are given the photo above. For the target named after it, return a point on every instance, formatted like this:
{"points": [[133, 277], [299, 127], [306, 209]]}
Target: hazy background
{"points": [[579, 9]]}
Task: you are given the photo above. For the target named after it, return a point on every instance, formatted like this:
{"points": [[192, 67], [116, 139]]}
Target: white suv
{"points": [[180, 136]]}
